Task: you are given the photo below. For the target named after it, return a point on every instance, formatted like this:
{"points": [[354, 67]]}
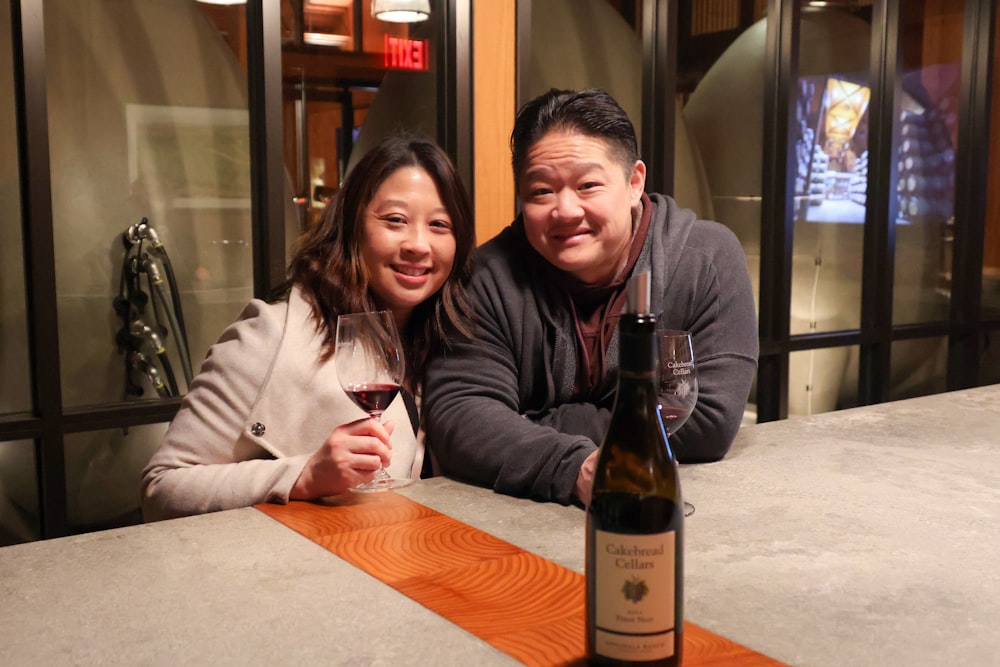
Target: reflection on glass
{"points": [[989, 366], [726, 121], [152, 128], [725, 114], [991, 239], [103, 469], [19, 517], [919, 368], [347, 89], [831, 171], [822, 380], [926, 128], [577, 44], [15, 389], [721, 121]]}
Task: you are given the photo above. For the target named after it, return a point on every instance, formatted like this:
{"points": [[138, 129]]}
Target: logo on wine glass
{"points": [[683, 389]]}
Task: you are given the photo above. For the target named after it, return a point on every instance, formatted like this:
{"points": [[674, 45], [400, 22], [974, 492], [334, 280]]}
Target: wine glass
{"points": [[678, 383], [370, 365]]}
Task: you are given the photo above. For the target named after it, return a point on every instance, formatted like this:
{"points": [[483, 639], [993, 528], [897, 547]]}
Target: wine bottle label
{"points": [[634, 596]]}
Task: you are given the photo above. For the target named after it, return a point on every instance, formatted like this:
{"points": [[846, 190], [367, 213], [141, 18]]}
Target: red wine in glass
{"points": [[370, 365], [674, 416], [374, 398]]}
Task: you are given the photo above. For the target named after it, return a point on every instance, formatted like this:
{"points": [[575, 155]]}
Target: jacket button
{"points": [[257, 429]]}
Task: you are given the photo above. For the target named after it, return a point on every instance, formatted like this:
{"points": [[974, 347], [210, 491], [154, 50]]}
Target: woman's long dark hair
{"points": [[328, 267]]}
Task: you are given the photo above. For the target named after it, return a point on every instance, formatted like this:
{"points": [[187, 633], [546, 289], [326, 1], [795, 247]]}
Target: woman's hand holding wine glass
{"points": [[370, 365], [348, 457]]}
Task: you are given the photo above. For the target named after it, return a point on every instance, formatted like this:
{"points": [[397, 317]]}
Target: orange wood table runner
{"points": [[523, 604]]}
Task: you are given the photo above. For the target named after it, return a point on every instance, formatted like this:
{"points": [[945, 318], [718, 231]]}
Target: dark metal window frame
{"points": [[49, 423], [964, 329]]}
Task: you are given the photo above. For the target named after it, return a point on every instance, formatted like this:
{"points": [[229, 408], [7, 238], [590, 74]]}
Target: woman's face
{"points": [[409, 243]]}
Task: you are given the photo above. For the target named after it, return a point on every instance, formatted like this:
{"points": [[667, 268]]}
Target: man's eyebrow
{"points": [[578, 167]]}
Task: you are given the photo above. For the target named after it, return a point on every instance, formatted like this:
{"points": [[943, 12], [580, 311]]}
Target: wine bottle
{"points": [[635, 519]]}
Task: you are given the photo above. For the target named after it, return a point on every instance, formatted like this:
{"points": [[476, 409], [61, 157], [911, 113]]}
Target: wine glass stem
{"points": [[380, 474]]}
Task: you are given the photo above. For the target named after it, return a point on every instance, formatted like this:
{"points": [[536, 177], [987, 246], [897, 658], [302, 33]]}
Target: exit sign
{"points": [[402, 53]]}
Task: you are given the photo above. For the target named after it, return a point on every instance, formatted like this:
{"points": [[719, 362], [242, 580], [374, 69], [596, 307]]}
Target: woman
{"points": [[266, 419]]}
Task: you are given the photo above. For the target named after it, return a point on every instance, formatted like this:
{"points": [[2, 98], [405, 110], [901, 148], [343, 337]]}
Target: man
{"points": [[523, 407]]}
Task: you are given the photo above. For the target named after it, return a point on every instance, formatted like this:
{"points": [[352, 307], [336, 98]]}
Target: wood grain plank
{"points": [[523, 604]]}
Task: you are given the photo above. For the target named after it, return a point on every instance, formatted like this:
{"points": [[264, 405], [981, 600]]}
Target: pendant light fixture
{"points": [[401, 11]]}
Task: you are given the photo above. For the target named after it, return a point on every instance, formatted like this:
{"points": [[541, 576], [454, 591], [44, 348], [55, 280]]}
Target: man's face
{"points": [[577, 202]]}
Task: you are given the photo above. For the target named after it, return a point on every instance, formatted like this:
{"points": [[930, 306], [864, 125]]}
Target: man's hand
{"points": [[350, 456], [585, 479]]}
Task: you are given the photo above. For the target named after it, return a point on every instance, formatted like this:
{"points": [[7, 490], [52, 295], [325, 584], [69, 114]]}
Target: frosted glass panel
{"points": [[822, 380], [579, 44], [103, 469], [919, 367], [991, 237], [926, 128], [15, 388], [19, 518], [350, 80], [831, 171], [725, 117], [148, 121], [989, 368]]}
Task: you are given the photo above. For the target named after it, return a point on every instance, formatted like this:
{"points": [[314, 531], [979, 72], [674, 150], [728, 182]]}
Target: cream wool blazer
{"points": [[261, 405]]}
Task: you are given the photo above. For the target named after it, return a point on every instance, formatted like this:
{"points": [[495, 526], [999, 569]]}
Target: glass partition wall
{"points": [[868, 259], [989, 362], [345, 77], [135, 173], [847, 144], [842, 142], [162, 156], [19, 516]]}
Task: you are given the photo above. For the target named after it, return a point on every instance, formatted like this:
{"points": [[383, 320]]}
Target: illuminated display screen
{"points": [[831, 178]]}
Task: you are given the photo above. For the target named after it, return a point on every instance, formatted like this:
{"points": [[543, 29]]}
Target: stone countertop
{"points": [[861, 537], [230, 588]]}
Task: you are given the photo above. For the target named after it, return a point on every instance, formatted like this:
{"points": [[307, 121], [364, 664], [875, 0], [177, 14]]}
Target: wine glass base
{"points": [[379, 485]]}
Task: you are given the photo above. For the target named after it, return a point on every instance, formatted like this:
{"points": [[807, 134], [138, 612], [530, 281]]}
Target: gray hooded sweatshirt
{"points": [[500, 410]]}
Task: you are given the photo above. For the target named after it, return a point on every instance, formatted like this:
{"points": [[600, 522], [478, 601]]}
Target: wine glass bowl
{"points": [[678, 383], [678, 379], [370, 365]]}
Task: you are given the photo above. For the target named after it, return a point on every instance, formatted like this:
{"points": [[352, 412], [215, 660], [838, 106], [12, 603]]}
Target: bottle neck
{"points": [[638, 353]]}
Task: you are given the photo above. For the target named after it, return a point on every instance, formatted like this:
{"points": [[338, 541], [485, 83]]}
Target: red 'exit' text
{"points": [[401, 53]]}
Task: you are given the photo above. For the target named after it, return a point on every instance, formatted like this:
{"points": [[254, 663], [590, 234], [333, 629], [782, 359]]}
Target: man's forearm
{"points": [[586, 419]]}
